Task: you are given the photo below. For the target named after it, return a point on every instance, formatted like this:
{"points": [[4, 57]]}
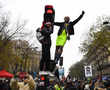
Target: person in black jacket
{"points": [[46, 31], [66, 29]]}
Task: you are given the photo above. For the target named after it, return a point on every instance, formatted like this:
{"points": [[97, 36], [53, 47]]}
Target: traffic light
{"points": [[42, 78], [49, 14], [61, 61]]}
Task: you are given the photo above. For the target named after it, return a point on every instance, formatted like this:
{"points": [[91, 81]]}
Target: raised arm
{"points": [[58, 23], [75, 21]]}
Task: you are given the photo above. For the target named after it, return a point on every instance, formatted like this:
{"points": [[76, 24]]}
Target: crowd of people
{"points": [[30, 83], [83, 85]]}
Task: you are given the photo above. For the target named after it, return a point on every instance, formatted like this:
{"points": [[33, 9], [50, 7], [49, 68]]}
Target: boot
{"points": [[57, 57]]}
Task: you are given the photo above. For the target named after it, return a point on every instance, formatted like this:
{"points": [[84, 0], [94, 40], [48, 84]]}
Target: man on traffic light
{"points": [[46, 31], [66, 29]]}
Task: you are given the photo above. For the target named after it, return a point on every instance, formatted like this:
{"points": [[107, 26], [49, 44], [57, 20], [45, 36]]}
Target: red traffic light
{"points": [[49, 11], [42, 78]]}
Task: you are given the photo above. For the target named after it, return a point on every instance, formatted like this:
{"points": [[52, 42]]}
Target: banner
{"points": [[88, 71]]}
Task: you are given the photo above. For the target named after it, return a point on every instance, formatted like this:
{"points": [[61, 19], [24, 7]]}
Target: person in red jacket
{"points": [[66, 29]]}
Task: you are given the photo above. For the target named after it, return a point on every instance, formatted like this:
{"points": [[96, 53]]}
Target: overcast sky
{"points": [[32, 11]]}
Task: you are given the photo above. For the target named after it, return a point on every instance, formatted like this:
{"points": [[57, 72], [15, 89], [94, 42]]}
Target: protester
{"points": [[57, 86], [14, 84], [45, 40], [66, 29], [29, 80]]}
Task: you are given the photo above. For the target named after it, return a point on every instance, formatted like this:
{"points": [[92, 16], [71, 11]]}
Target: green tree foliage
{"points": [[7, 33], [11, 57], [95, 47], [98, 35], [77, 70]]}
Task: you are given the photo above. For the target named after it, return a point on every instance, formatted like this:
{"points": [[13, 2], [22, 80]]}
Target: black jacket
{"points": [[70, 27], [46, 31]]}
